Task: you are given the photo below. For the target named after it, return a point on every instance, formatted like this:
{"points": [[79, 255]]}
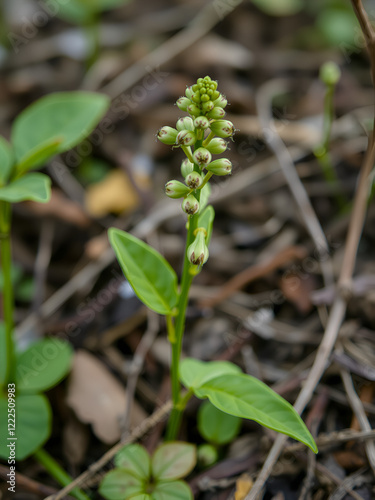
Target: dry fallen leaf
{"points": [[98, 398], [115, 193], [243, 485]]}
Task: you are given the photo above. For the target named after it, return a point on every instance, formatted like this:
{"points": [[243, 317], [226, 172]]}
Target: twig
{"points": [[275, 143], [337, 312], [136, 367], [138, 432], [359, 412], [28, 484]]}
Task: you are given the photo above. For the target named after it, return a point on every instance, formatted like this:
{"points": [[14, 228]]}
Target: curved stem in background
{"points": [[8, 300]]}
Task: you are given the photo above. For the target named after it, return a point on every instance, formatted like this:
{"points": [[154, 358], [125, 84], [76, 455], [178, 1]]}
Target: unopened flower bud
{"points": [[186, 167], [190, 205], [221, 166], [222, 128], [330, 73], [176, 189], [167, 135], [207, 106], [217, 145], [201, 122], [193, 110], [185, 138], [193, 180], [221, 101], [183, 103], [202, 156], [197, 252], [217, 113], [185, 123], [189, 92]]}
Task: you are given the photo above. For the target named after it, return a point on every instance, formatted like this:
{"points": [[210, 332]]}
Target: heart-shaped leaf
{"points": [[43, 365], [173, 460], [35, 187], [120, 484], [172, 490], [151, 277], [216, 426], [194, 373], [206, 220], [67, 117], [33, 425], [135, 459], [6, 160], [247, 397]]}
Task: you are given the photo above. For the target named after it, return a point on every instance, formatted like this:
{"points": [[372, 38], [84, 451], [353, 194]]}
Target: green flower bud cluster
{"points": [[200, 135]]}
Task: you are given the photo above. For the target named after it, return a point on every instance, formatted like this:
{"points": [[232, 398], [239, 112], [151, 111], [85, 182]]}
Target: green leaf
{"points": [[216, 426], [3, 355], [40, 154], [279, 7], [142, 496], [43, 365], [135, 459], [120, 484], [33, 424], [247, 397], [35, 187], [173, 460], [194, 373], [82, 11], [172, 490], [205, 194], [206, 220], [6, 160], [67, 117], [151, 277]]}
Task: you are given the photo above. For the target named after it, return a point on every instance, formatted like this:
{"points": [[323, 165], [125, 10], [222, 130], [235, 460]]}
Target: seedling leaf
{"points": [[6, 160], [33, 424], [135, 459], [247, 397], [216, 426], [35, 187], [151, 277], [194, 373], [120, 484], [172, 490], [173, 460], [68, 117], [43, 365]]}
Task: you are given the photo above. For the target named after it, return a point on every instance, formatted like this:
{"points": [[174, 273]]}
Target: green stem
{"points": [[93, 36], [8, 301], [322, 152], [58, 473], [186, 280], [207, 177]]}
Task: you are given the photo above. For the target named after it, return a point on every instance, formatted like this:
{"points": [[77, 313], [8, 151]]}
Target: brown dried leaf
{"points": [[243, 485], [98, 398], [115, 193]]}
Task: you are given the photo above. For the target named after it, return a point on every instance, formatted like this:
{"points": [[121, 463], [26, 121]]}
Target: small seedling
{"points": [[138, 476], [200, 135], [52, 125]]}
